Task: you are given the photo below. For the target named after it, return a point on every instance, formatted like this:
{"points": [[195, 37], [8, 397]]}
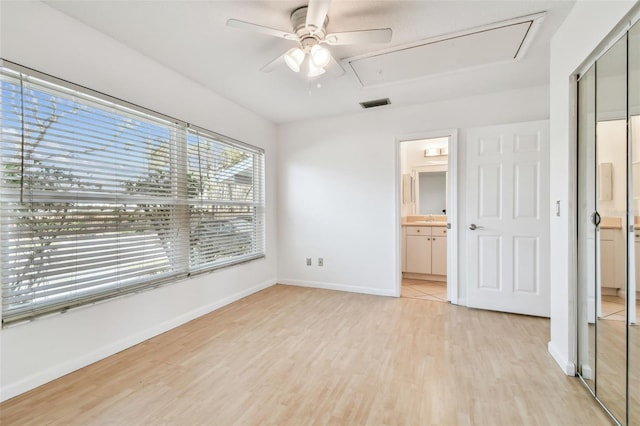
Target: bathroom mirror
{"points": [[611, 252], [432, 190]]}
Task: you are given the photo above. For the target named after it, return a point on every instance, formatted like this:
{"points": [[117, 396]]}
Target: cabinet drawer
{"points": [[439, 231], [418, 230]]}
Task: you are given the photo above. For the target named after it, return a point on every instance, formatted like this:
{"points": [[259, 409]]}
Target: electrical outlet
{"points": [[320, 261], [308, 261]]}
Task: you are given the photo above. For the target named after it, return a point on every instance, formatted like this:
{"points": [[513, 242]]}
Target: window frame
{"points": [[179, 134]]}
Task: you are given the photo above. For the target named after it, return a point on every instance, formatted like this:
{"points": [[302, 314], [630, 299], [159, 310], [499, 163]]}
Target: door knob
{"points": [[473, 227]]}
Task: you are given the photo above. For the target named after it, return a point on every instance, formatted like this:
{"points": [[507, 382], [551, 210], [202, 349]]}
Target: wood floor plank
{"points": [[298, 356]]}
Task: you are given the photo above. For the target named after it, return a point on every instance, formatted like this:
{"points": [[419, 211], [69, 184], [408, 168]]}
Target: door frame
{"points": [[452, 209]]}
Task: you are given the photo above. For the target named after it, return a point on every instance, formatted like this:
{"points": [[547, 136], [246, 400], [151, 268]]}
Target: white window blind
{"points": [[225, 200], [99, 198]]}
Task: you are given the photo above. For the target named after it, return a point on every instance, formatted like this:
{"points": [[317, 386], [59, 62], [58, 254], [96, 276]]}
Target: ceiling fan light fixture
{"points": [[320, 56], [309, 30], [314, 71], [294, 58]]}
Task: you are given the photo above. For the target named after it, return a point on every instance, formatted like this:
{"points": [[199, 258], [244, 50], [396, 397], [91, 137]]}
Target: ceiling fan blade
{"points": [[261, 29], [382, 35], [316, 14], [273, 64]]}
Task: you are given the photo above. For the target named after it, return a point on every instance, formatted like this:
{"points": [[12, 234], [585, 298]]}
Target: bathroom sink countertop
{"points": [[611, 223], [425, 223]]}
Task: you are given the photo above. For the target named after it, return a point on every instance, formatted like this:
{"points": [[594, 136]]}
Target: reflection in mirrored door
{"points": [[608, 228], [633, 410], [611, 204], [602, 228], [586, 228]]}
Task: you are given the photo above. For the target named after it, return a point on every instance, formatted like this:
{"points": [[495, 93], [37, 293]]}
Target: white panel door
{"points": [[508, 218]]}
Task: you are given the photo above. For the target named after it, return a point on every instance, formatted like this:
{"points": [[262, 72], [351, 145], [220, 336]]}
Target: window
{"points": [[100, 198]]}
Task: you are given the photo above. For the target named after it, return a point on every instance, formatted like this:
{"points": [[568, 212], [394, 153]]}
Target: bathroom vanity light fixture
{"points": [[432, 152]]}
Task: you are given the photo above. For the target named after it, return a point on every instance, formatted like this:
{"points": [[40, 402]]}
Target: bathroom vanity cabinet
{"points": [[425, 250]]}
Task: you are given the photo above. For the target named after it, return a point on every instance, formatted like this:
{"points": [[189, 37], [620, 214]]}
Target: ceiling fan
{"points": [[309, 25]]}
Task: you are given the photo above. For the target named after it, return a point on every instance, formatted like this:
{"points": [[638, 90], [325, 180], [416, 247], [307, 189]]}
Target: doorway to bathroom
{"points": [[427, 211]]}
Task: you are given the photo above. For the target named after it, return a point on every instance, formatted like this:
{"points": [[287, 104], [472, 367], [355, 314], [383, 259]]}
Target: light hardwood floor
{"points": [[612, 363], [298, 356], [426, 290], [613, 308]]}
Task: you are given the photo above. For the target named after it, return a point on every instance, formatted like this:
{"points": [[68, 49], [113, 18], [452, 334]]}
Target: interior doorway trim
{"points": [[452, 209]]}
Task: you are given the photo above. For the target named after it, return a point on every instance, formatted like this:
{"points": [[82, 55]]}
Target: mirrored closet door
{"points": [[608, 246], [633, 329]]}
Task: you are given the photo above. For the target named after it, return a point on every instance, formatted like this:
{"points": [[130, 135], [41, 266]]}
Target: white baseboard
{"points": [[569, 368], [339, 287], [425, 277], [13, 389], [587, 372]]}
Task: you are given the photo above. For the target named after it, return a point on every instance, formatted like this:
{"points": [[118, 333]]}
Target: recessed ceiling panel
{"points": [[458, 52]]}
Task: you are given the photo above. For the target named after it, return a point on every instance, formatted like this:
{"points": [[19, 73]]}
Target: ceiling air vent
{"points": [[375, 103]]}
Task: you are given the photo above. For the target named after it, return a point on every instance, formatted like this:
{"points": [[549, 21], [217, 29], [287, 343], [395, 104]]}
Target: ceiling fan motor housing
{"points": [[299, 24], [309, 25]]}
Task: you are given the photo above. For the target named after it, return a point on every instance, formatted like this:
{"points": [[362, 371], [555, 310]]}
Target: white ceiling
{"points": [[192, 38]]}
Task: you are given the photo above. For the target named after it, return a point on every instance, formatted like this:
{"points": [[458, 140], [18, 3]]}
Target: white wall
{"points": [[338, 183], [588, 23], [39, 37]]}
